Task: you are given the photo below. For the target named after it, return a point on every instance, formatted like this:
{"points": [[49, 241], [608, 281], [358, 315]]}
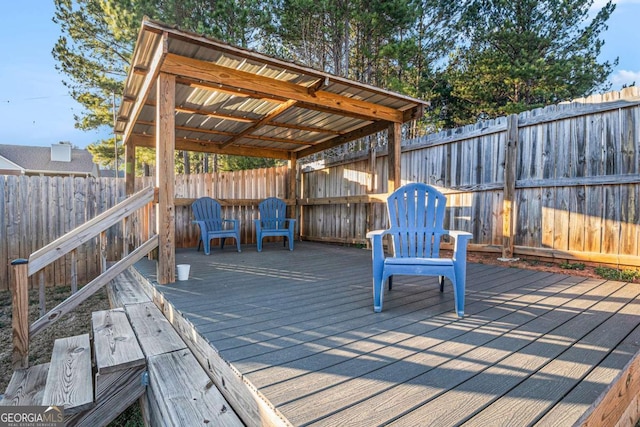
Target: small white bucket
{"points": [[183, 271]]}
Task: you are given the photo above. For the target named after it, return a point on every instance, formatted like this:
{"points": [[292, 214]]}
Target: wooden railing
{"points": [[68, 243]]}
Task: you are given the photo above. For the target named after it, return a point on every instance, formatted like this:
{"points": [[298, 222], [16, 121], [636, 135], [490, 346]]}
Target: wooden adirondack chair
{"points": [[416, 215], [208, 216], [273, 221]]}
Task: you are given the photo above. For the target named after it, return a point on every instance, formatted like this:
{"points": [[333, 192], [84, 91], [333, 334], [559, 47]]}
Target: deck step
{"points": [[69, 381], [116, 346], [124, 290], [188, 396], [26, 386], [119, 366]]}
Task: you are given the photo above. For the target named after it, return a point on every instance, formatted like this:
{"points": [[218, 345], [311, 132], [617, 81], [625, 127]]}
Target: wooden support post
{"points": [[372, 167], [165, 177], [129, 187], [20, 314], [292, 191], [395, 144], [508, 214], [129, 167]]}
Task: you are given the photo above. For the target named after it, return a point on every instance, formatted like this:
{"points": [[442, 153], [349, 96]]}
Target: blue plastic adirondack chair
{"points": [[273, 221], [208, 216], [416, 216]]}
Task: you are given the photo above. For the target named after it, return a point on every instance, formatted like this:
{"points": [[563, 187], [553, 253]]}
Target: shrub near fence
{"points": [[575, 192]]}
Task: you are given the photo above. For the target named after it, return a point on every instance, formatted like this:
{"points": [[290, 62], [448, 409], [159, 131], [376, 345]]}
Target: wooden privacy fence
{"points": [[560, 182], [69, 244], [238, 192], [35, 211], [572, 192]]}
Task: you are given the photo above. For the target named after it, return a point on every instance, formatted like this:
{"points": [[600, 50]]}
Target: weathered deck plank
{"points": [[154, 332], [299, 327], [169, 374], [26, 386], [115, 343], [69, 381]]}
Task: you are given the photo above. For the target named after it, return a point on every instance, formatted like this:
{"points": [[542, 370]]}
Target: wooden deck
{"points": [[534, 348]]}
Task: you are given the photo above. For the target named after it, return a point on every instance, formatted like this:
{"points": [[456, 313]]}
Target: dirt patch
{"points": [[540, 264], [75, 323]]}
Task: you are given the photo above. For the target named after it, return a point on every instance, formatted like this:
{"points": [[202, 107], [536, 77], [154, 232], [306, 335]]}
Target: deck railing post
{"points": [[20, 313]]}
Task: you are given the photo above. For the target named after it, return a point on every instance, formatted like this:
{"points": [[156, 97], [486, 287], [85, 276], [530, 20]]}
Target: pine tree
{"points": [[514, 56]]}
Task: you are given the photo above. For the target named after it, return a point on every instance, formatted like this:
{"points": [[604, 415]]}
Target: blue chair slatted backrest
{"points": [[416, 217], [273, 222], [273, 213], [208, 215], [208, 210]]}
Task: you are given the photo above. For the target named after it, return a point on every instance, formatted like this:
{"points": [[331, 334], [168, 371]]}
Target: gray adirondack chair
{"points": [[416, 215], [273, 221], [208, 216]]}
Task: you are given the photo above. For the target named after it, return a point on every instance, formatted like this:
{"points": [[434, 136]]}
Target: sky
{"points": [[36, 109]]}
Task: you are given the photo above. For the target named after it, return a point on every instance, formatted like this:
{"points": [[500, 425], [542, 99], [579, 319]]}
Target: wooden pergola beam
{"points": [[214, 115], [228, 134], [266, 119], [219, 87], [148, 141], [358, 133], [207, 71]]}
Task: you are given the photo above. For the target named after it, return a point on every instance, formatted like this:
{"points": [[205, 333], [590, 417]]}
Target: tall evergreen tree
{"points": [[514, 56], [98, 38]]}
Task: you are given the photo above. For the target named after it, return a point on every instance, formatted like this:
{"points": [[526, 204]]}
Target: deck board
{"points": [[534, 347]]}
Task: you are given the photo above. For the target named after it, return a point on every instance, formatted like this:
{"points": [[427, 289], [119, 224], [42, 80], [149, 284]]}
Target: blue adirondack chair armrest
{"points": [[460, 241], [201, 224], [290, 222], [376, 242], [234, 221]]}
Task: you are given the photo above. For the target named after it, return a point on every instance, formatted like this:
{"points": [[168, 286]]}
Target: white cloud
{"points": [[627, 77]]}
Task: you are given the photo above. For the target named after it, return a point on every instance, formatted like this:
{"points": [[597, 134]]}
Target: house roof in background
{"points": [[38, 160], [231, 100]]}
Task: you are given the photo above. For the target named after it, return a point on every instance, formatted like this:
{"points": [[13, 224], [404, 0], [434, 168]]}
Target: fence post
{"points": [[508, 202], [20, 313]]}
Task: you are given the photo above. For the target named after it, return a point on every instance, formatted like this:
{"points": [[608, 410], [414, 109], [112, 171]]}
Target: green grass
{"points": [[572, 266], [132, 417], [616, 274]]}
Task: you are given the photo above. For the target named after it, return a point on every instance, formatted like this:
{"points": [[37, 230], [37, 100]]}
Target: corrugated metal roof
{"points": [[236, 101]]}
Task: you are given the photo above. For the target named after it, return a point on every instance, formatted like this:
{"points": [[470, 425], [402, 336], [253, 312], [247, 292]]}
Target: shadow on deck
{"points": [[291, 337]]}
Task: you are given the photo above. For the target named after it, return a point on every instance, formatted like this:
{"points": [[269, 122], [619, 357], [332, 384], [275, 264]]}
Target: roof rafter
{"points": [[265, 120], [149, 141], [214, 115], [358, 133], [207, 71]]}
